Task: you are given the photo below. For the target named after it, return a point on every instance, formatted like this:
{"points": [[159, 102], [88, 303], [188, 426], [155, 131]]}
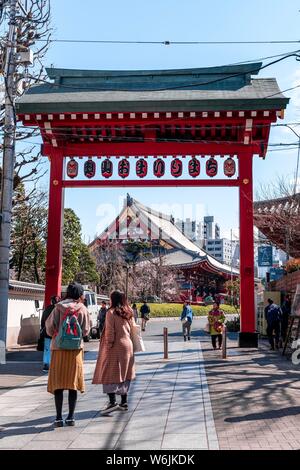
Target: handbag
{"points": [[184, 320], [136, 338]]}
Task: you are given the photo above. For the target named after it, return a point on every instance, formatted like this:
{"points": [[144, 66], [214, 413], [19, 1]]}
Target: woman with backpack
{"points": [[68, 323], [115, 364]]}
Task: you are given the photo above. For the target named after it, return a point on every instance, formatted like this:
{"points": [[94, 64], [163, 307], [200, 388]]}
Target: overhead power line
{"points": [[169, 43]]}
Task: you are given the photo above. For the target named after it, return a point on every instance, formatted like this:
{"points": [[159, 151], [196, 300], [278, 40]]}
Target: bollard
{"points": [[166, 343], [224, 345]]}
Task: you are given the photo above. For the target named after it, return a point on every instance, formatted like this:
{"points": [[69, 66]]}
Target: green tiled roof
{"points": [[215, 88]]}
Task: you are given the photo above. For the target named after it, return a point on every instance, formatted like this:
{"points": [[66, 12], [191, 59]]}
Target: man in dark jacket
{"points": [[273, 317], [47, 339], [286, 309], [145, 313], [101, 317]]}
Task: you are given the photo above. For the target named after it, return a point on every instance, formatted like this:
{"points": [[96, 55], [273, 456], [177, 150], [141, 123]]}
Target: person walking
{"points": [[47, 339], [186, 319], [273, 316], [66, 366], [101, 317], [145, 313], [135, 313], [216, 319], [115, 368], [286, 309]]}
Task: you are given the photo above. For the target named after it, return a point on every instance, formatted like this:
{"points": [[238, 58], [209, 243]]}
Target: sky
{"points": [[175, 20]]}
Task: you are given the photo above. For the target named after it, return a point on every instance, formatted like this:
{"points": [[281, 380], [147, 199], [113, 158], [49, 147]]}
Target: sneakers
{"points": [[109, 408], [58, 423], [184, 338], [123, 407], [45, 368]]}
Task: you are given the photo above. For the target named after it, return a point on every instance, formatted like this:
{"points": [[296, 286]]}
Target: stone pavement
{"points": [[255, 397], [194, 400], [169, 408]]}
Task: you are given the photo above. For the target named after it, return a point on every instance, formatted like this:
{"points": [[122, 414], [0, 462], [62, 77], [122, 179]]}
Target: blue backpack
{"points": [[70, 333]]}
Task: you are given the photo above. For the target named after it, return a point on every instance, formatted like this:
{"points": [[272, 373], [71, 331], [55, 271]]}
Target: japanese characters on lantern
{"points": [[229, 167], [89, 168], [107, 168], [123, 168], [176, 167], [211, 167], [141, 168], [194, 167], [159, 168], [72, 168]]}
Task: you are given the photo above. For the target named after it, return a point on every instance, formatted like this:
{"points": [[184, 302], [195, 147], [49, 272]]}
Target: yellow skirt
{"points": [[66, 370]]}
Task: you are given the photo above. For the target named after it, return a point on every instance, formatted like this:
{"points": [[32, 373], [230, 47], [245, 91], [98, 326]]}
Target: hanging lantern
{"points": [[194, 167], [211, 167], [229, 167], [141, 168], [106, 168], [123, 168], [72, 168], [159, 168], [176, 167], [89, 168]]}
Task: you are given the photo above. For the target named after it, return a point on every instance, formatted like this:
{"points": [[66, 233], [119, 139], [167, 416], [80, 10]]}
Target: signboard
{"points": [[276, 273], [265, 256]]}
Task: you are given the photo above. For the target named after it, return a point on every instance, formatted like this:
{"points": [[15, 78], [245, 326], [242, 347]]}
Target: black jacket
{"points": [[46, 314]]}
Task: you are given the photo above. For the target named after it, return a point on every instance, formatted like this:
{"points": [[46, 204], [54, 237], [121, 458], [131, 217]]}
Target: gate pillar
{"points": [[55, 227], [248, 336]]}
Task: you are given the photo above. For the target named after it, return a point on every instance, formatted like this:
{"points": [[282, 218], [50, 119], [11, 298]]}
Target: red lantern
{"points": [[159, 168], [72, 168], [194, 167], [141, 168], [89, 168], [211, 167], [123, 168], [176, 167], [106, 168], [229, 167]]}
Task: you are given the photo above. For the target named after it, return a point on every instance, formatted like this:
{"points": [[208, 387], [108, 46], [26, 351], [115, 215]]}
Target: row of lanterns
{"points": [[159, 167]]}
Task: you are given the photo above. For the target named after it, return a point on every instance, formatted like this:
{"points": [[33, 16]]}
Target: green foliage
{"points": [[28, 237], [234, 324], [175, 310], [87, 267], [71, 247]]}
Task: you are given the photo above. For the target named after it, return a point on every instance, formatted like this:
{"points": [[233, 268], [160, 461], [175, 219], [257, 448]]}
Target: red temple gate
{"points": [[198, 127]]}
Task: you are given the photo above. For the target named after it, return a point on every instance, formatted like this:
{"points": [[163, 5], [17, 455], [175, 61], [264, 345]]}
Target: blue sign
{"points": [[265, 256], [276, 273]]}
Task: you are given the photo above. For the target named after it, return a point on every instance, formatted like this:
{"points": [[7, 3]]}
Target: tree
{"points": [[77, 262], [29, 231], [71, 246], [87, 273]]}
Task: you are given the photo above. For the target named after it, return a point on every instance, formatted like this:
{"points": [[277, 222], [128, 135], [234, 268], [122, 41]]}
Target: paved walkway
{"points": [[169, 403], [251, 400], [255, 398]]}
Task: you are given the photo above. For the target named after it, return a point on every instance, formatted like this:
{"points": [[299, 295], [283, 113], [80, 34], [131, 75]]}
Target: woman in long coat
{"points": [[115, 365]]}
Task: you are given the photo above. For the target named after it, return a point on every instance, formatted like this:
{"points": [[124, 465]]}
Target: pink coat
{"points": [[115, 362]]}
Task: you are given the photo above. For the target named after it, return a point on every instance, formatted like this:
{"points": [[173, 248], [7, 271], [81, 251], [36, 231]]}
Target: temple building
{"points": [[198, 272]]}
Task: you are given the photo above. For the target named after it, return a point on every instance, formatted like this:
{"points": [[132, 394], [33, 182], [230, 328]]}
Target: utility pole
{"points": [[7, 174]]}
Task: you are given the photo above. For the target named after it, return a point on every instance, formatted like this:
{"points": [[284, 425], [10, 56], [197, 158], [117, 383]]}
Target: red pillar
{"points": [[55, 227], [248, 336]]}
